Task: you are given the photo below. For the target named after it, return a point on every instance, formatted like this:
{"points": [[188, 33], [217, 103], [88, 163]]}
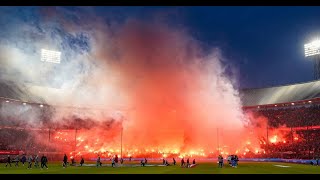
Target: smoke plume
{"points": [[151, 77]]}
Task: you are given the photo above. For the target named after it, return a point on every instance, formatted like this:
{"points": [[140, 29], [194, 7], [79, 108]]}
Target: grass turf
{"points": [[201, 168]]}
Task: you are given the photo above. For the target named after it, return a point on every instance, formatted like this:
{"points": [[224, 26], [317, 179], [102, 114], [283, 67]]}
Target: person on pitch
{"points": [[8, 161], [17, 161], [30, 159], [65, 160], [82, 161]]}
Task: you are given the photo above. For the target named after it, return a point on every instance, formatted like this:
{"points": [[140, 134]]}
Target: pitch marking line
{"points": [[281, 166]]}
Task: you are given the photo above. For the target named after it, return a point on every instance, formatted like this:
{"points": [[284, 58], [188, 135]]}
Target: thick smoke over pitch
{"points": [[170, 93]]}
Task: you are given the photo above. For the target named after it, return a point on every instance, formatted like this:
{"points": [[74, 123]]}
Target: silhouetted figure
{"points": [[194, 161], [174, 161], [36, 161], [65, 160], [166, 163], [188, 163], [8, 161], [116, 160], [236, 160], [16, 160], [30, 162], [220, 161], [142, 162], [113, 162], [81, 161], [23, 159], [98, 161], [72, 162], [44, 161], [182, 162]]}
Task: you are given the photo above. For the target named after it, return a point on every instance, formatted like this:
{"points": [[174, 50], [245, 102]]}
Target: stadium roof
{"points": [[249, 97], [11, 90], [281, 94]]}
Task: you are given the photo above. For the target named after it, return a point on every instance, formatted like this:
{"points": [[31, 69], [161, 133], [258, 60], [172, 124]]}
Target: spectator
{"points": [[82, 161]]}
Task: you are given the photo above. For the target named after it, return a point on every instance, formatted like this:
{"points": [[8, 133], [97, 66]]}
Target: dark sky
{"points": [[264, 44]]}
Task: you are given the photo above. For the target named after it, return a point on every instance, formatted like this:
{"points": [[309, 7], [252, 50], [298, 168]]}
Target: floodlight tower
{"points": [[50, 56], [49, 73], [312, 50]]}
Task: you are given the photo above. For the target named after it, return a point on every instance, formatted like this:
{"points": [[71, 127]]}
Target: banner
{"points": [[7, 152]]}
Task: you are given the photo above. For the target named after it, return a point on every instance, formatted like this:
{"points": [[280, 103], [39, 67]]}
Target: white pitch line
{"points": [[281, 165]]}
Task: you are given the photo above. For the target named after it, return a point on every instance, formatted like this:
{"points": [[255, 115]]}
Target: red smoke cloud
{"points": [[178, 96], [172, 94]]}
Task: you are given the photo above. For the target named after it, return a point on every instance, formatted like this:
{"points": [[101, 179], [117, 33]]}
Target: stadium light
{"points": [[50, 56], [41, 105], [312, 49], [7, 101], [24, 103]]}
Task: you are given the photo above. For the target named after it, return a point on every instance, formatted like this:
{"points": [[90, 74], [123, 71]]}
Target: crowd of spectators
{"points": [[304, 120], [305, 116], [295, 116]]}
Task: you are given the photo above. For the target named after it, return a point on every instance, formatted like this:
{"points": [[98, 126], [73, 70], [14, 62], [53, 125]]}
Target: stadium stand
{"points": [[296, 106], [11, 90]]}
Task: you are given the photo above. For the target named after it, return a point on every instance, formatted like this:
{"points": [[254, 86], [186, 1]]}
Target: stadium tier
{"points": [[291, 110]]}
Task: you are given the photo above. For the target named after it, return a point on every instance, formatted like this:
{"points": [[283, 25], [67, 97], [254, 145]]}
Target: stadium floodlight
{"points": [[7, 101], [24, 103], [50, 56], [312, 49], [41, 105]]}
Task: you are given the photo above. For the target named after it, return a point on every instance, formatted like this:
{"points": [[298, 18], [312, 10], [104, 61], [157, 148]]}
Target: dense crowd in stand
{"points": [[15, 139], [295, 117], [292, 116], [307, 116]]}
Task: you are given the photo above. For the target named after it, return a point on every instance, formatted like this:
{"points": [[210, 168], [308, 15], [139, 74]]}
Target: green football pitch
{"points": [[201, 168]]}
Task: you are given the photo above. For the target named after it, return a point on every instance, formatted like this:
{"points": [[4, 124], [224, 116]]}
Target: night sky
{"points": [[263, 44], [266, 43]]}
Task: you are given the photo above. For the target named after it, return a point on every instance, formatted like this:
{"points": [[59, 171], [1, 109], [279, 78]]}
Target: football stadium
{"points": [[142, 98]]}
